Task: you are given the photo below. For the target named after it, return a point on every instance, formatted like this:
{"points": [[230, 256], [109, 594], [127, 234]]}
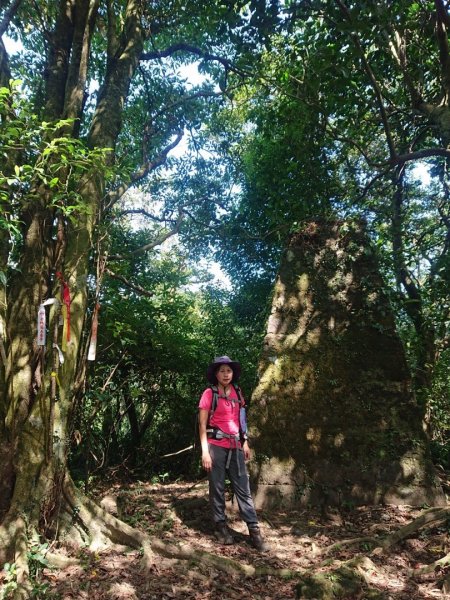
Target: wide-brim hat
{"points": [[222, 360]]}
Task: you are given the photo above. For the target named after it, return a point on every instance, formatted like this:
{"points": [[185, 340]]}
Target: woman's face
{"points": [[224, 375]]}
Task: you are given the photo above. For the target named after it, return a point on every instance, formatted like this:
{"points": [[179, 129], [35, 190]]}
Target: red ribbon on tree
{"points": [[66, 300]]}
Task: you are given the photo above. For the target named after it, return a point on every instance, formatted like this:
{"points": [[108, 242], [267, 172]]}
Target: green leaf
{"points": [[13, 132]]}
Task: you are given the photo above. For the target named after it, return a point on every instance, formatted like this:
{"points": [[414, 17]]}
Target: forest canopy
{"points": [[302, 110], [122, 180]]}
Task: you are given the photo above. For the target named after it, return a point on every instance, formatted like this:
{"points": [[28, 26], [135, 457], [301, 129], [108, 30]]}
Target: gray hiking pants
{"points": [[239, 480]]}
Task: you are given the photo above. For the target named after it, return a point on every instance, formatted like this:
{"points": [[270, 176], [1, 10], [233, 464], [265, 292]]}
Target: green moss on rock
{"points": [[334, 406]]}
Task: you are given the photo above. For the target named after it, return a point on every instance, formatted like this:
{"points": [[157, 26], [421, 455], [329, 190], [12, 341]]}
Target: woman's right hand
{"points": [[206, 461]]}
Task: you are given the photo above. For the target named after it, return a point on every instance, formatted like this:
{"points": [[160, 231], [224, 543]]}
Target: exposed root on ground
{"points": [[60, 561], [430, 568], [100, 522], [82, 519], [221, 563], [344, 543], [349, 579], [102, 528], [352, 576], [432, 516], [14, 546]]}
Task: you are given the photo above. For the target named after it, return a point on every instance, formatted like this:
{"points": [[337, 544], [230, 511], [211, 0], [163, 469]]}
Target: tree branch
{"points": [[60, 55], [113, 44], [149, 166], [397, 159], [188, 98], [128, 283], [140, 211], [368, 186], [9, 15], [157, 242], [419, 154], [84, 24], [146, 168], [182, 47], [373, 81], [397, 45], [442, 39]]}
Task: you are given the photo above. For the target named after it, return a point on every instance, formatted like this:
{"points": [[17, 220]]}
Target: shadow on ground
{"points": [[179, 513]]}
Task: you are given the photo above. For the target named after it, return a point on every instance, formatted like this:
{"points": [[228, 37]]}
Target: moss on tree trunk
{"points": [[39, 384]]}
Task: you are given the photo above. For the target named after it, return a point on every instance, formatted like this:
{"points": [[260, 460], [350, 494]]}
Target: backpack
{"points": [[215, 432]]}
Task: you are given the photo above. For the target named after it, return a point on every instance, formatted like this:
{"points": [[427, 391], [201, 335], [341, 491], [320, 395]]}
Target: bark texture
{"points": [[38, 388], [335, 420]]}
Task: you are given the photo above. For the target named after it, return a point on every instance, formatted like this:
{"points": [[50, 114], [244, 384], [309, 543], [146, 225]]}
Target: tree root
{"points": [[349, 579], [91, 522], [348, 575], [14, 544], [351, 576], [85, 520], [21, 560], [59, 561], [103, 529], [430, 516], [221, 563], [344, 543], [442, 562], [8, 530]]}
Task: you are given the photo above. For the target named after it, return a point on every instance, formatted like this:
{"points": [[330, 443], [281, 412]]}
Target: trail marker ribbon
{"points": [[65, 297], [41, 325], [93, 342], [42, 321]]}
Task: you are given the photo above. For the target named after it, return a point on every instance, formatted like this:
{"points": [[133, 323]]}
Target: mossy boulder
{"points": [[346, 582], [334, 417]]}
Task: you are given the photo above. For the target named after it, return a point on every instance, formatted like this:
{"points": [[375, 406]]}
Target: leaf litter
{"points": [[299, 541]]}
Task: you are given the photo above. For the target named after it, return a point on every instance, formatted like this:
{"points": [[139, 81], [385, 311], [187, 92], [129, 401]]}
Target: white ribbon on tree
{"points": [[42, 321]]}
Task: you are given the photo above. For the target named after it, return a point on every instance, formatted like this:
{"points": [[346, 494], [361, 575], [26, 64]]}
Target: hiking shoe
{"points": [[257, 540], [223, 534]]}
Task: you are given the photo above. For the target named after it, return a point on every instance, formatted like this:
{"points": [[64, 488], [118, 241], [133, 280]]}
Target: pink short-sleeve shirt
{"points": [[226, 415]]}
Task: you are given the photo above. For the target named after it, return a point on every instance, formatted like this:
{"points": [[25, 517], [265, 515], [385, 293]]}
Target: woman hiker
{"points": [[225, 448]]}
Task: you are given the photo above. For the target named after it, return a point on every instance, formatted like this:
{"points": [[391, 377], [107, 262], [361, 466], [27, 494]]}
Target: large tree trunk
{"points": [[39, 389], [335, 420]]}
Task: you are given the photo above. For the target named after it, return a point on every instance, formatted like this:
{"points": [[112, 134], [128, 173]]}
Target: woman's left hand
{"points": [[246, 450]]}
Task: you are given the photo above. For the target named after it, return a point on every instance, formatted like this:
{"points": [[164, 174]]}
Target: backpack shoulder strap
{"points": [[239, 394], [215, 398]]}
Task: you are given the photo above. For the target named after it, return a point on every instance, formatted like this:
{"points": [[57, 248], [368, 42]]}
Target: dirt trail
{"points": [[178, 512]]}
